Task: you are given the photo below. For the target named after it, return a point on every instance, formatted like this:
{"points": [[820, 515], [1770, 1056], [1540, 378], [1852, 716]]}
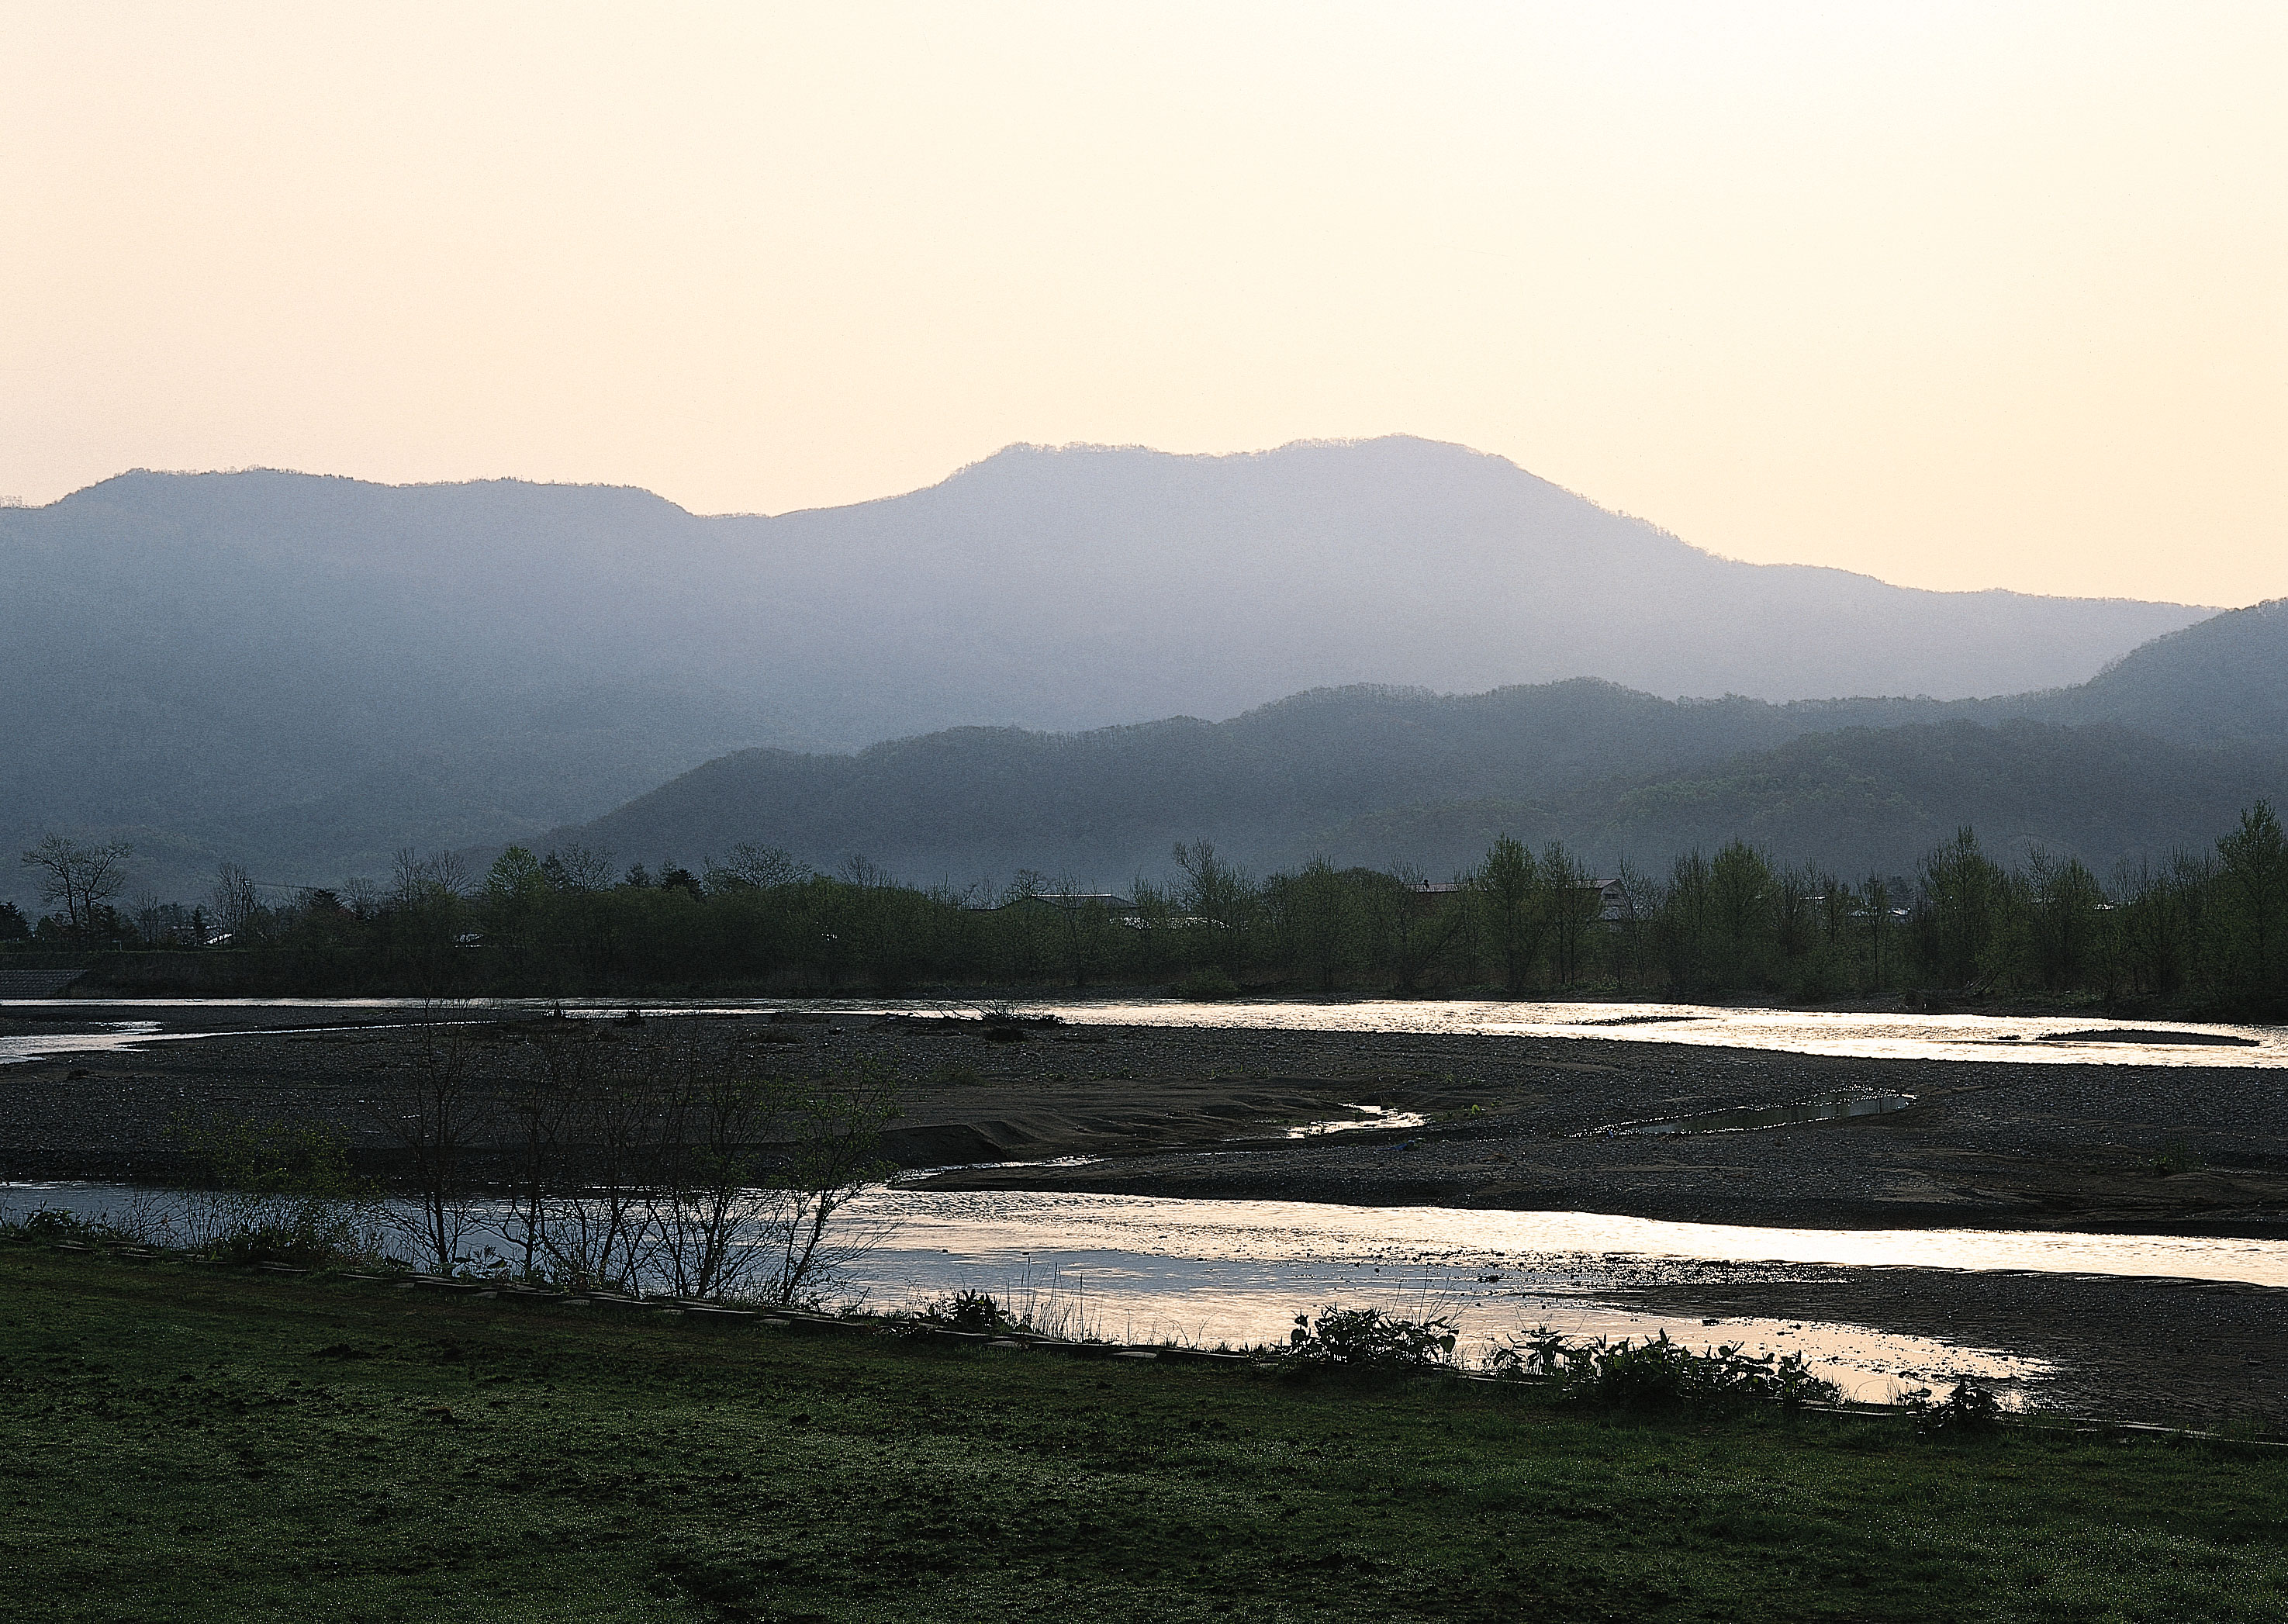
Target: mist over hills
{"points": [[304, 673], [2162, 749]]}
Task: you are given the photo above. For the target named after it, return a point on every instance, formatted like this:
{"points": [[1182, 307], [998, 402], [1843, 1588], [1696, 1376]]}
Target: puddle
{"points": [[1374, 1116], [111, 1035], [1746, 1119]]}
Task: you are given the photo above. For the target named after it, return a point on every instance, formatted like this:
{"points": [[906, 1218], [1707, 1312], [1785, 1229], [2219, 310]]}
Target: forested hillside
{"points": [[1381, 777]]}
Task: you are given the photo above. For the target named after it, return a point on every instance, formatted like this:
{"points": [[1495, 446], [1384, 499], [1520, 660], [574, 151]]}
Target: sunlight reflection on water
{"points": [[2024, 1039]]}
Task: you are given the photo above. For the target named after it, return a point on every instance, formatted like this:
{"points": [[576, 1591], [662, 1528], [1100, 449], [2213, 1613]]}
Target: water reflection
{"points": [[1135, 1268], [110, 1035], [2035, 1040], [1139, 1268]]}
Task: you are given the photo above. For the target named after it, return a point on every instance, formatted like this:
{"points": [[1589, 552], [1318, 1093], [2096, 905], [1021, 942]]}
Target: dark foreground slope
{"points": [[2159, 751], [201, 1444], [304, 674]]}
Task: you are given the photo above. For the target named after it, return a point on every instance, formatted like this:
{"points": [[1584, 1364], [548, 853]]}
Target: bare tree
{"points": [[592, 1210], [838, 1131], [232, 898], [752, 1171], [759, 867], [578, 868], [684, 1165], [436, 1115], [82, 877], [438, 877]]}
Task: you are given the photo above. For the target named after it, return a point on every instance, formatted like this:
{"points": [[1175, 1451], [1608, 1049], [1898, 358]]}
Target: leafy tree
{"points": [[13, 926], [2253, 862], [2064, 914], [1741, 894], [1569, 902], [1686, 923], [516, 890], [1315, 912], [1219, 895], [1508, 889], [1876, 895], [1964, 895]]}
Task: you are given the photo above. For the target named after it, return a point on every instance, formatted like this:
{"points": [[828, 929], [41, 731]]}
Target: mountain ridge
{"points": [[306, 671]]}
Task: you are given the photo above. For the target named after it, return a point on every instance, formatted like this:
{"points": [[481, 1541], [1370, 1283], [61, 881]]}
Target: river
{"points": [[1140, 1268]]}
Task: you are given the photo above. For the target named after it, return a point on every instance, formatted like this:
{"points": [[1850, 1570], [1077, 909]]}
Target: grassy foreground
{"points": [[184, 1442]]}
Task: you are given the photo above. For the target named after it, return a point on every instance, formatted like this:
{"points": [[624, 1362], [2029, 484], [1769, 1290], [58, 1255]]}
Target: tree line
{"points": [[2200, 928]]}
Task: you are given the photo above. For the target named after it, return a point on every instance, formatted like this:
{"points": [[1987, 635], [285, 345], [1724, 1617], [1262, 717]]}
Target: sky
{"points": [[1961, 295]]}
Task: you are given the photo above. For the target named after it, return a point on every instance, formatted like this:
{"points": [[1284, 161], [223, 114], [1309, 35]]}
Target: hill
{"points": [[1381, 775], [304, 673], [1868, 800]]}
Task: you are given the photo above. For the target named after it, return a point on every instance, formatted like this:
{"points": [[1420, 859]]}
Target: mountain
{"points": [[1383, 775], [304, 673]]}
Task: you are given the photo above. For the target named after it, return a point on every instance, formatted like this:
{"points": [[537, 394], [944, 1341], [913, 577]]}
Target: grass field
{"points": [[188, 1442]]}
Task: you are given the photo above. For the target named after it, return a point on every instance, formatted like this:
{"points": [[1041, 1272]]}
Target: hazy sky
{"points": [[1977, 295]]}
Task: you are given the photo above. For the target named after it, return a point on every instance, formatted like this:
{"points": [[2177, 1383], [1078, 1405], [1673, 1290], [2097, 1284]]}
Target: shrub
{"points": [[1968, 1411], [281, 1193], [2177, 1155], [1660, 1374], [1367, 1339], [969, 1310], [50, 1223], [1207, 986]]}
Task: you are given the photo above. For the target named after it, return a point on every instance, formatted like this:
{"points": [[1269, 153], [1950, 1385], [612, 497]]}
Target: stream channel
{"points": [[1145, 1269]]}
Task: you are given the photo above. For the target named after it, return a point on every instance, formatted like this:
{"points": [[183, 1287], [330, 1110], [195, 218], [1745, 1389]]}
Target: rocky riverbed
{"points": [[1510, 1121]]}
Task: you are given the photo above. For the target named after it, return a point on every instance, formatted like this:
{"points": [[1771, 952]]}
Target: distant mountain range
{"points": [[2160, 750], [304, 673]]}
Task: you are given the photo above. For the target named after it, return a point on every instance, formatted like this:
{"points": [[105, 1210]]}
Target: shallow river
{"points": [[1143, 1269], [1146, 1269]]}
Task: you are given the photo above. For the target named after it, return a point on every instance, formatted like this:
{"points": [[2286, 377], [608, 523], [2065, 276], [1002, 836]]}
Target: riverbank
{"points": [[201, 1442]]}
